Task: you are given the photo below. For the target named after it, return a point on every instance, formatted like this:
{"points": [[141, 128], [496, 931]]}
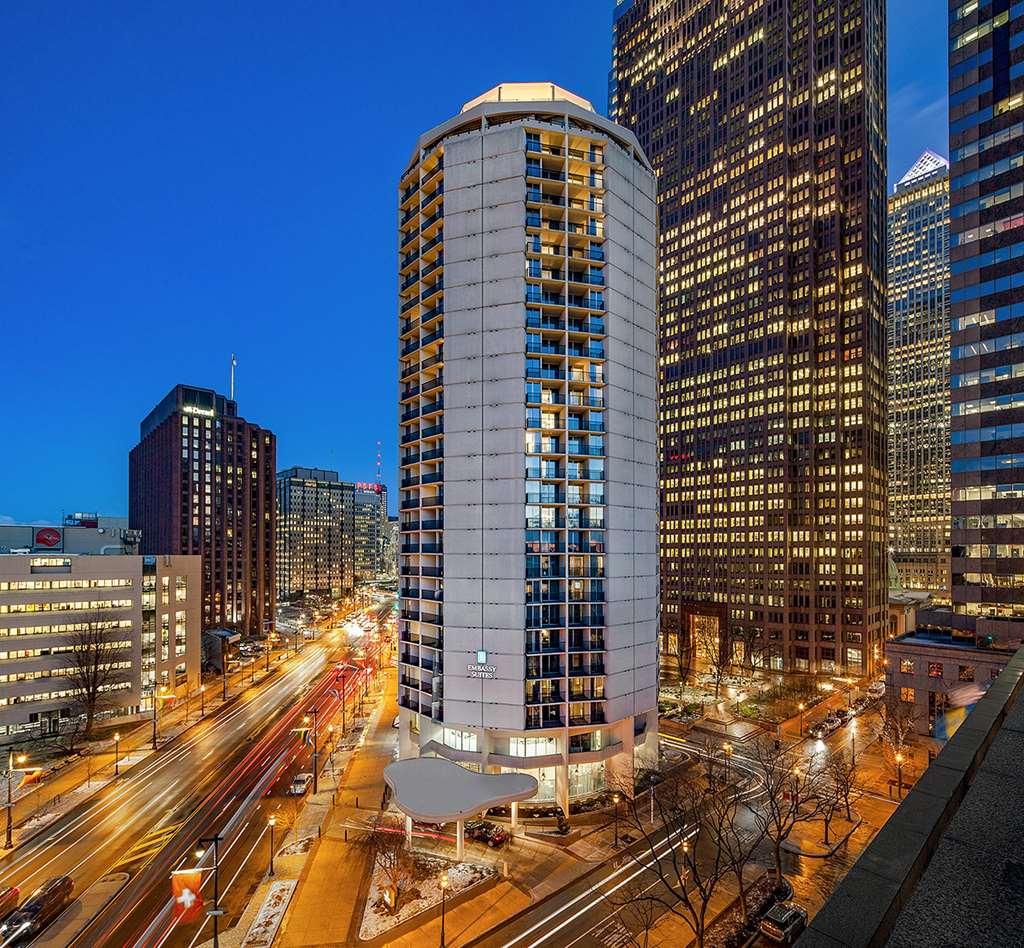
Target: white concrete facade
{"points": [[147, 607], [529, 473]]}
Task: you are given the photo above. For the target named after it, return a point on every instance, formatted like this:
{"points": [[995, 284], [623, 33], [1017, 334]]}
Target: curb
{"points": [[827, 854]]}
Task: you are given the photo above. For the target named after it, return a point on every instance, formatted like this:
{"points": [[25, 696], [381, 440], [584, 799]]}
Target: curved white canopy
{"points": [[437, 791]]}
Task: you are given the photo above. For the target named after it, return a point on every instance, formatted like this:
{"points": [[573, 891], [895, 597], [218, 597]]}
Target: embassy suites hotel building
{"points": [[528, 506], [765, 124]]}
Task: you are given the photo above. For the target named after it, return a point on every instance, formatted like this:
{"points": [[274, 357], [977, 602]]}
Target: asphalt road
{"points": [[125, 824]]}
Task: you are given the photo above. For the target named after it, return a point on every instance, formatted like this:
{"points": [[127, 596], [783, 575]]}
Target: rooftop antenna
{"points": [[234, 362], [378, 462]]}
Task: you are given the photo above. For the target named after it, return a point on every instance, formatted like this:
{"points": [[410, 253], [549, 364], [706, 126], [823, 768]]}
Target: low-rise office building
{"points": [[140, 616], [80, 533], [940, 677]]}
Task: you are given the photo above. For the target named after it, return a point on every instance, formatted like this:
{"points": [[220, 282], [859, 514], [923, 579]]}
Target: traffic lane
{"points": [[142, 911], [247, 859], [86, 842]]}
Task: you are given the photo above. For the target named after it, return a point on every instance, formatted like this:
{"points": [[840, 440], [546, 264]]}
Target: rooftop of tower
{"points": [[528, 92]]}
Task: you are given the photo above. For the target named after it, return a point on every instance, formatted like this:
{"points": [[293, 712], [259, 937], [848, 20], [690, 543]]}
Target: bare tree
{"points": [[841, 771], [736, 844], [789, 794], [895, 730], [682, 864], [96, 668], [753, 643], [385, 841], [713, 651], [634, 912]]}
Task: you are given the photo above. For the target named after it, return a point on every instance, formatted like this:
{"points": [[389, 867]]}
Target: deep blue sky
{"points": [[183, 180]]}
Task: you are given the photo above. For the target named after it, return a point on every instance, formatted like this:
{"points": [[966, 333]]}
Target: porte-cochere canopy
{"points": [[434, 790]]}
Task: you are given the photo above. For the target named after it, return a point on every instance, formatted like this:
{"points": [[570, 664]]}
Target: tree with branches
{"points": [[713, 652], [385, 842], [895, 731], [790, 787], [633, 913], [736, 844], [841, 771], [98, 664], [681, 861]]}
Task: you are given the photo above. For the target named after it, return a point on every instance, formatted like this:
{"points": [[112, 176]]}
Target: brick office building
{"points": [[201, 480]]}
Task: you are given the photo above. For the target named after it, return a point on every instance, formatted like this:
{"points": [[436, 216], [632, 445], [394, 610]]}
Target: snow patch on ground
{"points": [[265, 925], [425, 892]]}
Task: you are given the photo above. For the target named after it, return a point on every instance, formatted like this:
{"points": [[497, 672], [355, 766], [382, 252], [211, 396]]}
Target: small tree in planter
{"points": [[841, 771], [385, 841]]}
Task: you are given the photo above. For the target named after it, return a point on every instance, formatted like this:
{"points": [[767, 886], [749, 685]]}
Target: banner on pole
{"points": [[186, 889]]}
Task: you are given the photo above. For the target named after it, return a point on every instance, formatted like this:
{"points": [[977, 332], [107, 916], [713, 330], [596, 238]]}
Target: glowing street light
{"points": [[445, 882], [727, 750], [272, 822], [801, 706], [15, 765], [899, 775], [117, 753]]}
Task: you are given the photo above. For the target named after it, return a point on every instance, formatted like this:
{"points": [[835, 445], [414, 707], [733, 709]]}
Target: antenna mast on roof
{"points": [[378, 462], [234, 362]]}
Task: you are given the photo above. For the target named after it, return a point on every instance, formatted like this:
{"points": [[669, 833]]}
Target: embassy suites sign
{"points": [[480, 668]]}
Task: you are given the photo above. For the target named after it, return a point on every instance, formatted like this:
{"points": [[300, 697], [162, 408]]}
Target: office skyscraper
{"points": [[918, 371], [528, 557], [315, 533], [201, 480], [986, 116], [765, 123], [370, 529]]}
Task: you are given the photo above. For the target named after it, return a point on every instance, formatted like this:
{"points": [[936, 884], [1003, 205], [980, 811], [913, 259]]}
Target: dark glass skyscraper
{"points": [[986, 138], [765, 122]]}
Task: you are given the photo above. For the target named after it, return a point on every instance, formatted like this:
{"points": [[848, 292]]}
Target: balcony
{"points": [[432, 454], [409, 304], [431, 548], [434, 478], [411, 458], [533, 295], [409, 415], [434, 336], [432, 431], [433, 196], [408, 238], [431, 244], [431, 290], [585, 619], [436, 501], [436, 524], [433, 407], [409, 504], [433, 219], [555, 323]]}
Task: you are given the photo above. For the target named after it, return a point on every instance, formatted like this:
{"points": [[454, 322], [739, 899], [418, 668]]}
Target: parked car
{"points": [[485, 831], [300, 784], [397, 721], [784, 923], [876, 689], [859, 706], [38, 910]]}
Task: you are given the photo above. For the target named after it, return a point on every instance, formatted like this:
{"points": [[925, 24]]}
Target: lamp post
{"points": [[252, 670], [158, 696], [117, 753], [313, 711], [11, 771], [801, 707], [727, 750], [215, 912], [444, 889], [272, 822], [202, 701], [616, 797], [224, 667], [899, 776]]}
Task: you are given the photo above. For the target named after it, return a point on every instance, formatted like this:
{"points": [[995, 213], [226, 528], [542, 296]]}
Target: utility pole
{"points": [[313, 711]]}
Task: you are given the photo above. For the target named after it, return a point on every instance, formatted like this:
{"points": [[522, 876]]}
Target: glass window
{"points": [[907, 666], [935, 669], [907, 695]]}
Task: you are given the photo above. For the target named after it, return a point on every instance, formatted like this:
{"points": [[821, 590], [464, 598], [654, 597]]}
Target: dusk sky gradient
{"points": [[180, 181]]}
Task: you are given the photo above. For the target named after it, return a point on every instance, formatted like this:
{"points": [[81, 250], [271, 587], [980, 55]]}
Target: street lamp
{"points": [[616, 797], [899, 775], [727, 750], [313, 711], [252, 670], [202, 701], [158, 696], [215, 912], [444, 889], [801, 707], [272, 822], [224, 666], [117, 754], [11, 771]]}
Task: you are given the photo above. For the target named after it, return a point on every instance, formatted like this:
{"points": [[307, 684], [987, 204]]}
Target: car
{"points": [[485, 831], [877, 689], [397, 721], [822, 729], [38, 910], [784, 922], [300, 784]]}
